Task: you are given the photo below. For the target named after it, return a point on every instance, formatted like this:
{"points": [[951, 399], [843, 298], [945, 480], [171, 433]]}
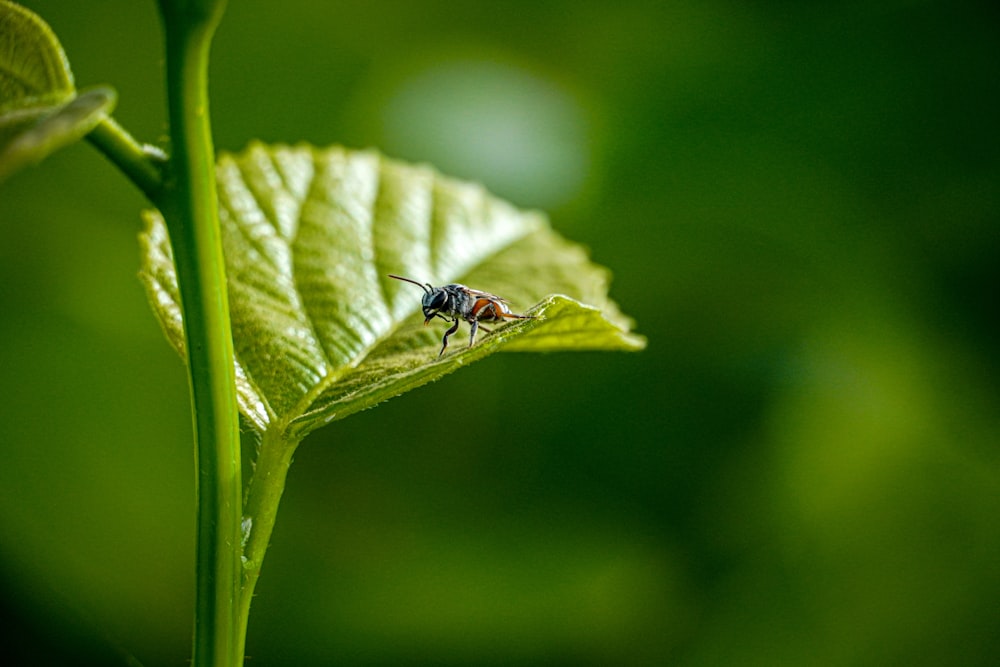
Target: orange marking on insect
{"points": [[482, 305]]}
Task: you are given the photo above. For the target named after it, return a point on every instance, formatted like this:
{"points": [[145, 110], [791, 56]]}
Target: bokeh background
{"points": [[800, 203]]}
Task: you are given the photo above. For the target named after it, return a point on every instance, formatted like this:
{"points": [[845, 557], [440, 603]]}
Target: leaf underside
{"points": [[29, 135], [320, 330]]}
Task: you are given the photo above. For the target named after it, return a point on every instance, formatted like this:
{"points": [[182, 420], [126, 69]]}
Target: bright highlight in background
{"points": [[522, 136]]}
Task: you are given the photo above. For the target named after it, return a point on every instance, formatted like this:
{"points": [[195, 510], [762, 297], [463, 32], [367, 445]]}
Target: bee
{"points": [[454, 303]]}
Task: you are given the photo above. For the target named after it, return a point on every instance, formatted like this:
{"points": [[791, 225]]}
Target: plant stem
{"points": [[144, 165], [191, 211], [263, 496]]}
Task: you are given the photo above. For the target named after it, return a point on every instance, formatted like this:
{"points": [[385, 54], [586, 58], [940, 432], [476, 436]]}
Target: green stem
{"points": [[144, 165], [263, 496], [191, 210]]}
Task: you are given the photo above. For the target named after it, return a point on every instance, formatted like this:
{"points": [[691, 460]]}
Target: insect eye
{"points": [[436, 300]]}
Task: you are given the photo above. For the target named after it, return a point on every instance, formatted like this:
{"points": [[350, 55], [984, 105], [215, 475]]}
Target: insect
{"points": [[456, 302]]}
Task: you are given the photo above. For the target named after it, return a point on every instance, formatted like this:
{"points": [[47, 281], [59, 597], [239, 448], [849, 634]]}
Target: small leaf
{"points": [[319, 328], [40, 111], [29, 135], [34, 70]]}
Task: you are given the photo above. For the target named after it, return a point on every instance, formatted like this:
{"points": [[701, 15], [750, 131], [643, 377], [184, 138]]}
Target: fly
{"points": [[454, 303]]}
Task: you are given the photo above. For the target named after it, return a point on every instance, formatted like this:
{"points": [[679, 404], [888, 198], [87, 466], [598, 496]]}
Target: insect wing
{"points": [[477, 294]]}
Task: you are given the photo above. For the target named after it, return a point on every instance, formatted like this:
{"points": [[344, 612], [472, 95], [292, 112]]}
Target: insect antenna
{"points": [[427, 288]]}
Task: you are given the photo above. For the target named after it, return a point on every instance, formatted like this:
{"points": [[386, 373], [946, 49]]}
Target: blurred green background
{"points": [[800, 202]]}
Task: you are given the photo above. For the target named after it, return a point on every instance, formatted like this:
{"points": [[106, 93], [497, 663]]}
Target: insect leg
{"points": [[450, 331], [472, 336]]}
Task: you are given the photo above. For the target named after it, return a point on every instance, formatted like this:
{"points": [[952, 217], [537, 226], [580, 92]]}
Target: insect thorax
{"points": [[459, 301]]}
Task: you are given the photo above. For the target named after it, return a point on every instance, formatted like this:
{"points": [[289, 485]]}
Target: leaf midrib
{"points": [[301, 408], [336, 371]]}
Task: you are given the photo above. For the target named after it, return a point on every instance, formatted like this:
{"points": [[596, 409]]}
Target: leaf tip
{"points": [[30, 135]]}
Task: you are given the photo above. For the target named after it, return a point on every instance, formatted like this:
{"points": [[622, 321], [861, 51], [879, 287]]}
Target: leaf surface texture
{"points": [[320, 330]]}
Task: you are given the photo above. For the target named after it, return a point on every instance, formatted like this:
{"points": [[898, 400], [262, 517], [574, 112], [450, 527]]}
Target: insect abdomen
{"points": [[488, 310]]}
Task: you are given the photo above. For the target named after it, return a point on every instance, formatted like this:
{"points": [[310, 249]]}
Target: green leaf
{"points": [[320, 329], [40, 111], [33, 67], [29, 135]]}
